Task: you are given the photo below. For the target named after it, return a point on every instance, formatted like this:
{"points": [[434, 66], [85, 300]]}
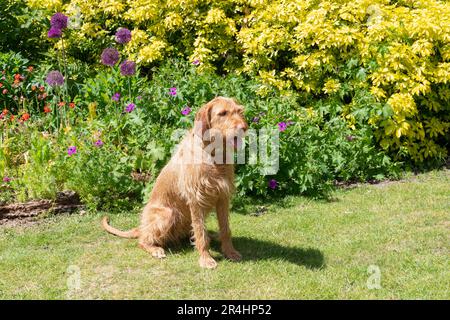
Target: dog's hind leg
{"points": [[155, 229]]}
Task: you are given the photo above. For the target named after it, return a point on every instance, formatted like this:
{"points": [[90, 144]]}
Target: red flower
{"points": [[42, 88], [1, 84], [61, 104], [25, 117], [30, 69], [71, 105], [47, 109], [5, 111]]}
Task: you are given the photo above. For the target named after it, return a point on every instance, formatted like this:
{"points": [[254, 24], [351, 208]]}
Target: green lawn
{"points": [[299, 249]]}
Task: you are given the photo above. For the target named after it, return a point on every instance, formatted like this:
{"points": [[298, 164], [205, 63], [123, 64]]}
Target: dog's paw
{"points": [[233, 255], [207, 262], [158, 253]]}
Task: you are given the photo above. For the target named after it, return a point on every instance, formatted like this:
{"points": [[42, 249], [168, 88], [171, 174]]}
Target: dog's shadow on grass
{"points": [[256, 250]]}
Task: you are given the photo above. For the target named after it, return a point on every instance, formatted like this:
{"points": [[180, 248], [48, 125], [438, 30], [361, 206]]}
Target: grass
{"points": [[299, 249]]}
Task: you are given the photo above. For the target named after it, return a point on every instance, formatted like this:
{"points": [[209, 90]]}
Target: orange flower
{"points": [[71, 105], [25, 117], [1, 84], [12, 118], [47, 109], [33, 88], [61, 104], [5, 111], [30, 68]]}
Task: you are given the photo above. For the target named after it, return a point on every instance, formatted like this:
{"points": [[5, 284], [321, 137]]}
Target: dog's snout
{"points": [[242, 126]]}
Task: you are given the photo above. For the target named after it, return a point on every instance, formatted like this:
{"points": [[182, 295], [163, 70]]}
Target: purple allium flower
{"points": [[54, 32], [71, 150], [130, 107], [6, 179], [55, 78], [196, 62], [98, 143], [350, 138], [186, 111], [255, 119], [273, 184], [116, 96], [173, 91], [139, 97], [59, 21], [110, 56], [123, 35], [282, 126], [128, 68]]}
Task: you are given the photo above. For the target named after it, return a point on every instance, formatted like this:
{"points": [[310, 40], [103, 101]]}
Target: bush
{"points": [[119, 154], [396, 51]]}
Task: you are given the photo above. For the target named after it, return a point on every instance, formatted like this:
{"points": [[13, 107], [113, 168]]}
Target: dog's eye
{"points": [[222, 113]]}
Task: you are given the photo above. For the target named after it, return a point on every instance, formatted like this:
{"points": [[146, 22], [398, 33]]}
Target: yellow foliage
{"points": [[401, 50]]}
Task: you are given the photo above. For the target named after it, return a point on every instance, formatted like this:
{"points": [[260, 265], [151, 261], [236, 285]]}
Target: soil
{"points": [[30, 212]]}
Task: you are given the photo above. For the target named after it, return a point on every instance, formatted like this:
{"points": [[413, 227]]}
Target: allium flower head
{"points": [[282, 126], [59, 21], [255, 119], [54, 33], [196, 62], [173, 91], [130, 107], [186, 111], [128, 68], [55, 78], [6, 179], [116, 96], [123, 35], [273, 184], [71, 150], [110, 56]]}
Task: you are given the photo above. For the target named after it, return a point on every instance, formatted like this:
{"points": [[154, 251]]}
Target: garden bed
{"points": [[30, 212]]}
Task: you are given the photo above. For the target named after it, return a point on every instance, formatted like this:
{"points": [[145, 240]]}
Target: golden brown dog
{"points": [[186, 190]]}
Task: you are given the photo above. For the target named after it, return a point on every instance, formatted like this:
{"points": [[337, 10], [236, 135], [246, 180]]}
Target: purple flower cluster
{"points": [[282, 126], [196, 62], [186, 110], [130, 107], [173, 91], [116, 96], [54, 78], [6, 179], [273, 184], [98, 143], [54, 33], [58, 23], [71, 150], [128, 68], [110, 57], [123, 35]]}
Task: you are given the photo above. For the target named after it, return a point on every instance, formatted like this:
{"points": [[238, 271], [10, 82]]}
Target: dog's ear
{"points": [[203, 120]]}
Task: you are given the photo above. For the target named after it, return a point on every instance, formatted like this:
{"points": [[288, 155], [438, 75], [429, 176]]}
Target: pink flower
{"points": [[71, 150]]}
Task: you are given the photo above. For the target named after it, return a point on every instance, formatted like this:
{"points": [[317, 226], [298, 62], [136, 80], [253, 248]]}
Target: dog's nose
{"points": [[242, 126]]}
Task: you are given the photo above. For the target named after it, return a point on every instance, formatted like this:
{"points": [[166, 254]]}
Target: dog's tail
{"points": [[130, 234]]}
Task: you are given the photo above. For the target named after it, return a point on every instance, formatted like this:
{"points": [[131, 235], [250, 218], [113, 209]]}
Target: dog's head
{"points": [[222, 116]]}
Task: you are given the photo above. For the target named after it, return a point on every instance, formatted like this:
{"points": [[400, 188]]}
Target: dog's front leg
{"points": [[201, 237], [223, 214]]}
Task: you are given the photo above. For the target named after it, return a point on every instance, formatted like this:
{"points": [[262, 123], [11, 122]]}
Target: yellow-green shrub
{"points": [[398, 51]]}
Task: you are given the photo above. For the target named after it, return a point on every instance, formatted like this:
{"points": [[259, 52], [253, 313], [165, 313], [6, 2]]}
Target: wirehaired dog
{"points": [[197, 179]]}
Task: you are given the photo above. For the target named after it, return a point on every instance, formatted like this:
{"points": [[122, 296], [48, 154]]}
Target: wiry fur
{"points": [[185, 192]]}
